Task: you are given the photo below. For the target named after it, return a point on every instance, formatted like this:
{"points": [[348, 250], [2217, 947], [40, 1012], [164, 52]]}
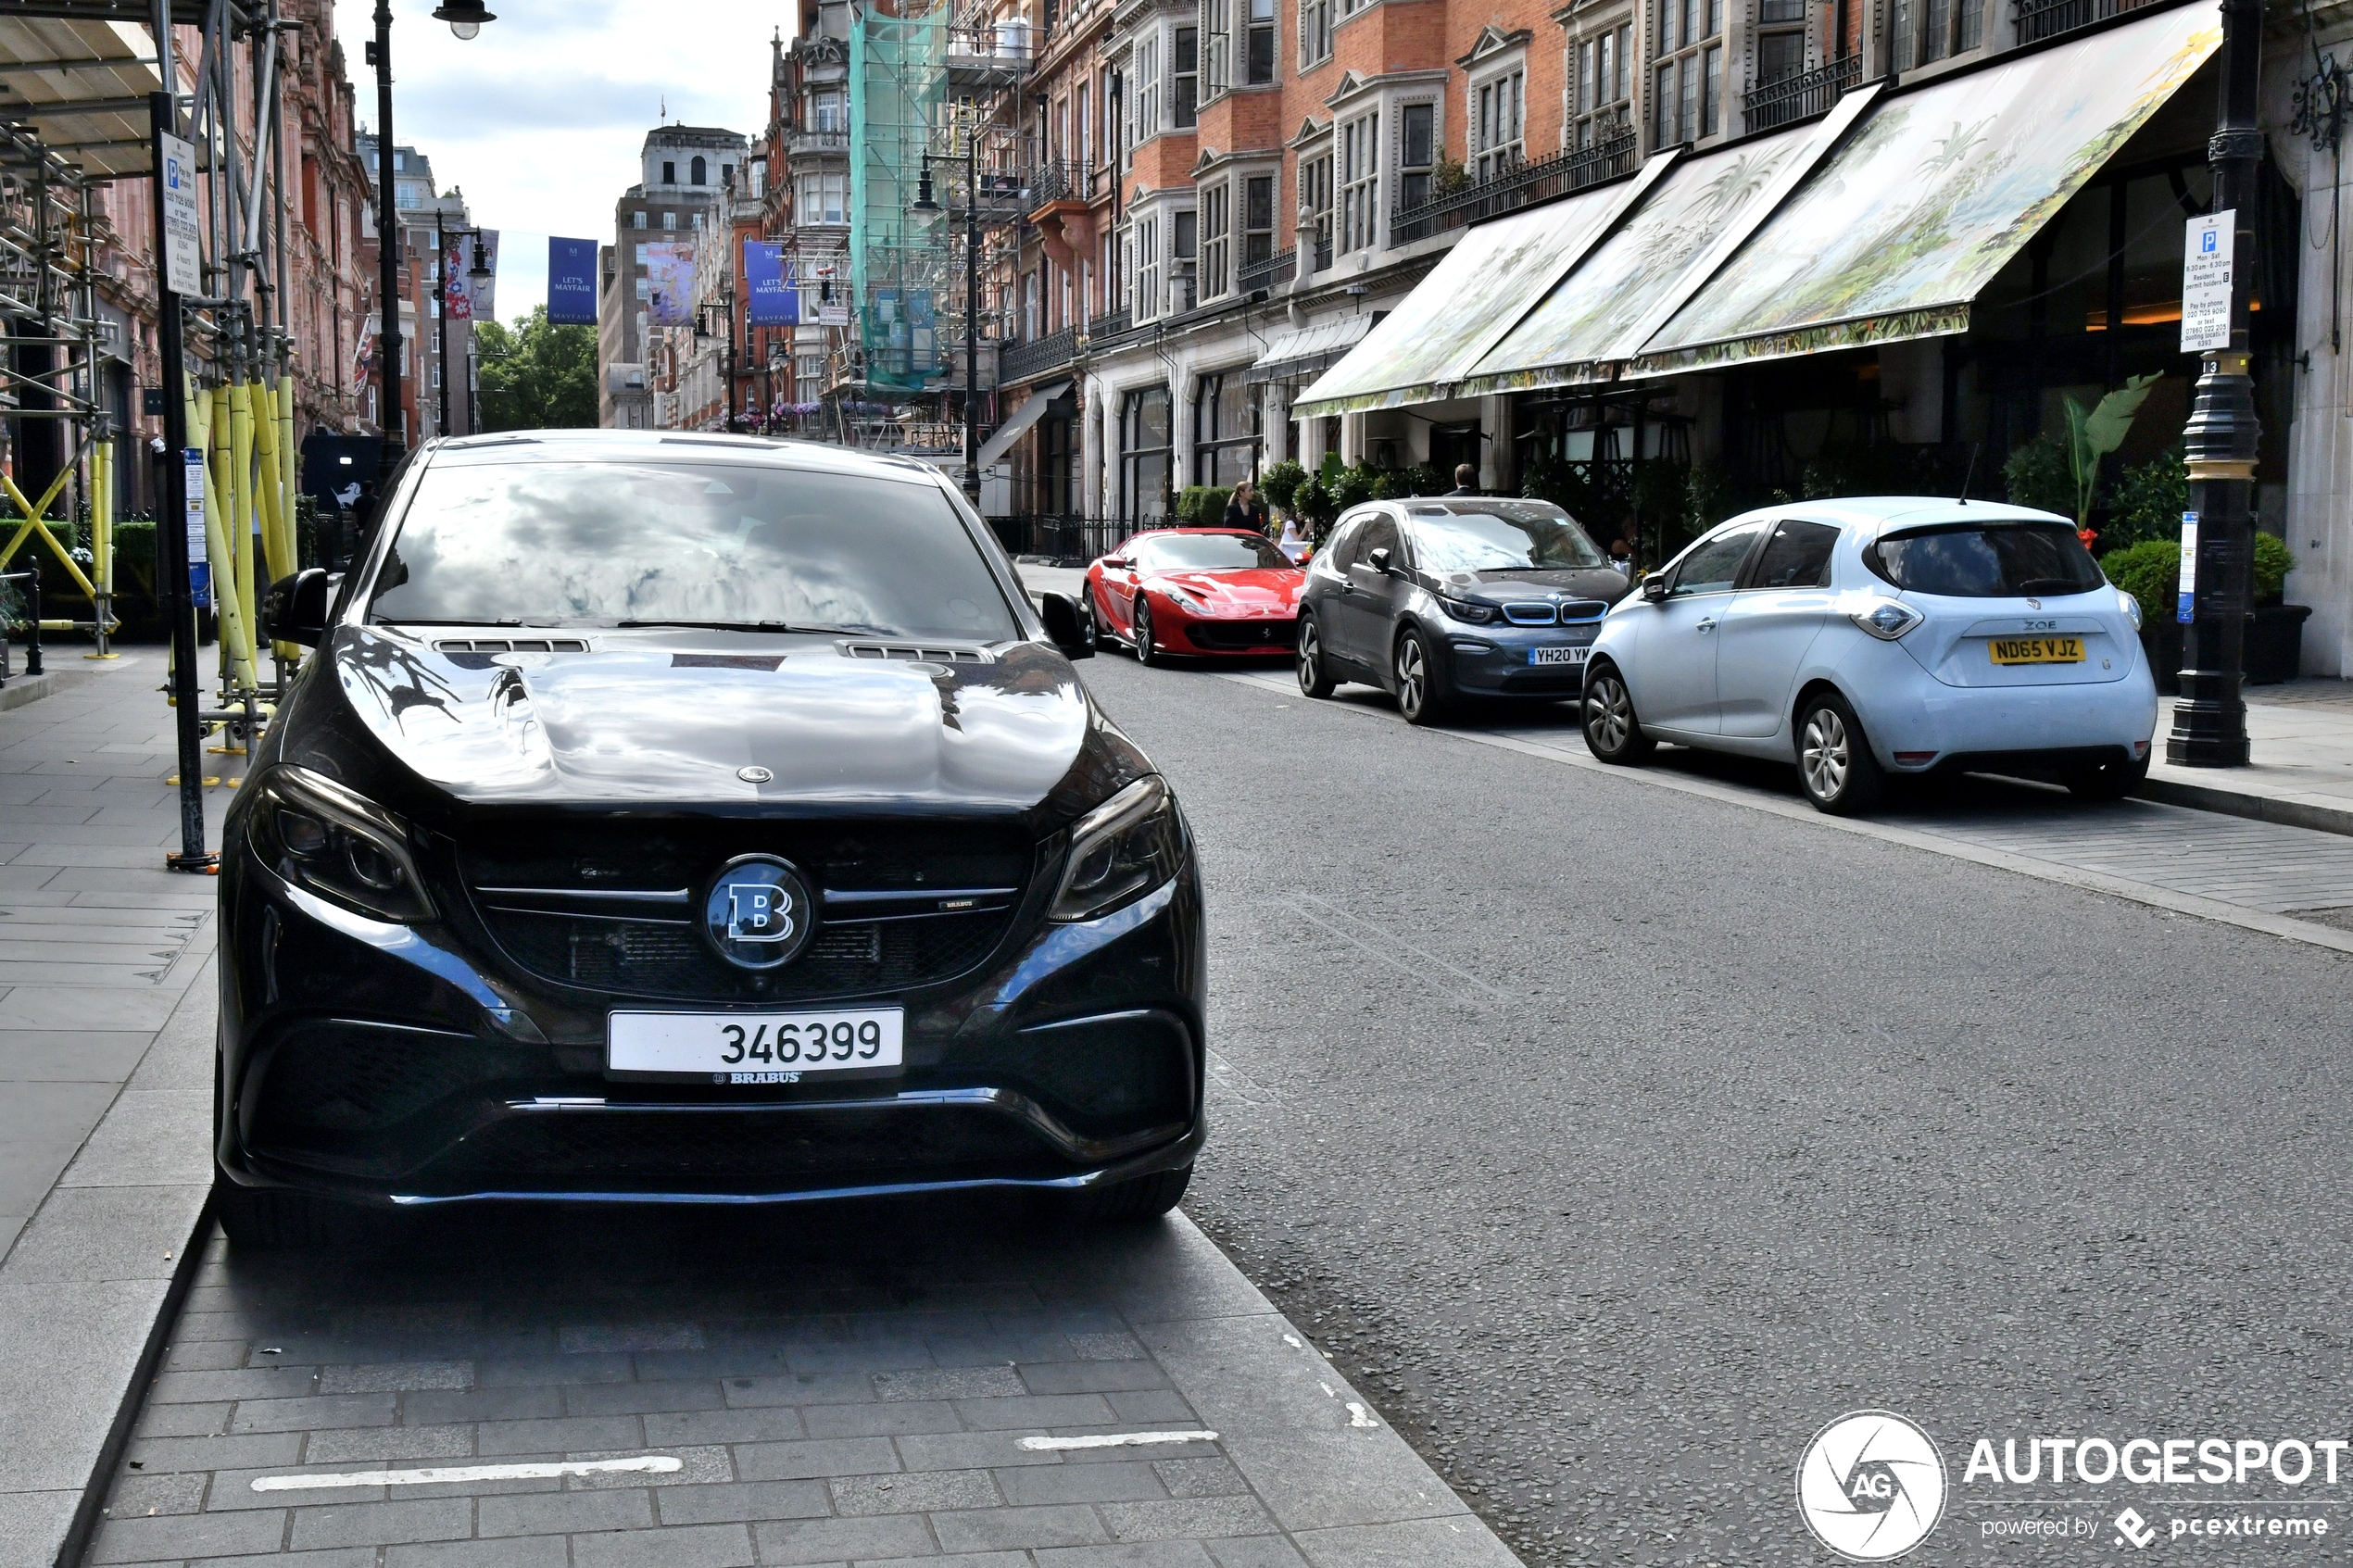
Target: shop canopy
{"points": [[1900, 229], [1470, 298], [81, 86], [1879, 221], [1303, 351]]}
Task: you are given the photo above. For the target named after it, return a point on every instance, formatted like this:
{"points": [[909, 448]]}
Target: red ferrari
{"points": [[1196, 591]]}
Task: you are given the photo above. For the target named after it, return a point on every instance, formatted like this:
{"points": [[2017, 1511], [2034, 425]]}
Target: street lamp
{"points": [[925, 203], [2210, 719], [465, 19], [479, 273]]}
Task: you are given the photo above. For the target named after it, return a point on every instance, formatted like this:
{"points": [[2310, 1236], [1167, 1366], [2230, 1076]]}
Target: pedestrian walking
{"points": [[1465, 480], [1297, 543], [1244, 510], [1621, 556]]}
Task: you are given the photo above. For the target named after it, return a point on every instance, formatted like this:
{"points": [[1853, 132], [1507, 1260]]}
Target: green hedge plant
{"points": [[2151, 572]]}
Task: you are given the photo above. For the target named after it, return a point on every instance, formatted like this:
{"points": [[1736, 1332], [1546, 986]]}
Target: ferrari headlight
{"points": [[1120, 851], [339, 845]]}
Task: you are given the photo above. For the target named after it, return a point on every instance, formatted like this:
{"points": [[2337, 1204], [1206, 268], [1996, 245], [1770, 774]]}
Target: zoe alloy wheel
{"points": [[1612, 732], [1147, 650], [1421, 690], [1314, 679], [1835, 760]]}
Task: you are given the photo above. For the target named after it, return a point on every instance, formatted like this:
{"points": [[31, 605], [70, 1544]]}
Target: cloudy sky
{"points": [[539, 119]]}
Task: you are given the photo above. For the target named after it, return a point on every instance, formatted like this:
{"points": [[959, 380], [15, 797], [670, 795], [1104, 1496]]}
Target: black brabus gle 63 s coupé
{"points": [[703, 818]]}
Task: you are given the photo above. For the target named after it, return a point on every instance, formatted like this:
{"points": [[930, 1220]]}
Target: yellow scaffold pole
{"points": [[235, 647], [102, 546]]}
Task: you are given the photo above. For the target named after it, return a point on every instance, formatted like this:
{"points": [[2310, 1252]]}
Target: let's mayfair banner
{"points": [[572, 283], [774, 301]]}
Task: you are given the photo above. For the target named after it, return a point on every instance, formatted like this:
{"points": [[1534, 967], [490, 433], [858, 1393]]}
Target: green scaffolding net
{"points": [[898, 84]]}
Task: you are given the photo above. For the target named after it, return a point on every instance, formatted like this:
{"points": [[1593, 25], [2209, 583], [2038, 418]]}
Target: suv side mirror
{"points": [[1379, 560], [1655, 587], [295, 611], [1065, 627]]}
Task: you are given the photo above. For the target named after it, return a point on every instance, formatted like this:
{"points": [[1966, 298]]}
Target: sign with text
{"points": [[176, 180], [775, 303], [199, 567], [2205, 282], [2186, 609], [572, 283]]}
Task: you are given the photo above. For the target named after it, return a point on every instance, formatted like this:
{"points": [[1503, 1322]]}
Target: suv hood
{"points": [[674, 718]]}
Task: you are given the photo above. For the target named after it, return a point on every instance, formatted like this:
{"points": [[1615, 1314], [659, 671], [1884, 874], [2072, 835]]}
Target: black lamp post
{"points": [[2210, 719], [925, 203], [465, 19]]}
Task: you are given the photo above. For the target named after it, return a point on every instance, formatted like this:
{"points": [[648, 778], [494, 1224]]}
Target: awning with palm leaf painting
{"points": [[1468, 300], [1897, 231]]}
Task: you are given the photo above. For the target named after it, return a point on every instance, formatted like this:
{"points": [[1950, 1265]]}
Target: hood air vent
{"points": [[917, 654], [512, 644]]}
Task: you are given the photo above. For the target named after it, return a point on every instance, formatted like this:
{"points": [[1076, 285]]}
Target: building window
{"points": [[1315, 33], [1359, 183], [1148, 295], [1215, 244], [1184, 84], [669, 174], [407, 195], [1416, 152], [669, 220], [636, 221], [1316, 203], [1927, 31], [1259, 63], [1220, 17], [826, 112], [1605, 85], [823, 198], [436, 375], [645, 288], [1258, 219], [809, 372], [1147, 117], [1144, 446], [1499, 115], [1225, 446], [1184, 229], [1691, 32], [697, 172]]}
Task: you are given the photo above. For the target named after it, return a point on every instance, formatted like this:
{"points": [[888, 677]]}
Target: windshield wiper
{"points": [[730, 626]]}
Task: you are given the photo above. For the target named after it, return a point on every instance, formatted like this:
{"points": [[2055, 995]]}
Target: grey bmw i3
{"points": [[710, 818]]}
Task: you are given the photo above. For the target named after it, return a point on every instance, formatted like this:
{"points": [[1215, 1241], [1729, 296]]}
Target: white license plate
{"points": [[756, 1048], [1558, 656]]}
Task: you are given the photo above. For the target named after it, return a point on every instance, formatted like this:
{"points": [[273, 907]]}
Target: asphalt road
{"points": [[1617, 1139]]}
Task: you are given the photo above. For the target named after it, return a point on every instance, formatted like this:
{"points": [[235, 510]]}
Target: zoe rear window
{"points": [[1987, 560]]}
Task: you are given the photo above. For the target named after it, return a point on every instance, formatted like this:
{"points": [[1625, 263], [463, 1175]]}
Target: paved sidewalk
{"points": [[105, 1072], [2301, 735]]}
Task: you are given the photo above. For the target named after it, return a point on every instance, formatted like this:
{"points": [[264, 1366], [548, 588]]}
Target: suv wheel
{"points": [[1612, 732], [1314, 679], [1147, 651], [1835, 760], [1422, 697]]}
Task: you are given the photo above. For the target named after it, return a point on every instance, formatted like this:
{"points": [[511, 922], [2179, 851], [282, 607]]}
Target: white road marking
{"points": [[655, 1464], [1114, 1440], [1359, 1416]]}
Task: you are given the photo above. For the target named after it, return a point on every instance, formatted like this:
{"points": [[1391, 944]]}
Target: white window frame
{"points": [[1417, 182], [1687, 41], [1315, 20], [1497, 93], [1601, 82], [1217, 278], [1356, 177], [1144, 243]]}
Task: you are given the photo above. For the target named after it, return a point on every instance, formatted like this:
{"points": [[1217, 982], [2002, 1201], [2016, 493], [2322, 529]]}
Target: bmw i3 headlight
{"points": [[339, 845], [1465, 610], [1887, 619], [1120, 851]]}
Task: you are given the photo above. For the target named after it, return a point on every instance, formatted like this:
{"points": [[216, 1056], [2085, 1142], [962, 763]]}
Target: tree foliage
{"points": [[536, 376]]}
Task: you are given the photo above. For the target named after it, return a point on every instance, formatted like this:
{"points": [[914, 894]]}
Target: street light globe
{"points": [[465, 16]]}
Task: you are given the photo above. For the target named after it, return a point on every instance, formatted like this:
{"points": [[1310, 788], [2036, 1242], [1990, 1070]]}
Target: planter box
{"points": [[2274, 648]]}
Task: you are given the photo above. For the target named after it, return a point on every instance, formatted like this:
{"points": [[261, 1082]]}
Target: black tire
{"points": [[1422, 694], [1141, 1197], [2112, 781], [1315, 675], [1835, 760], [266, 1220], [1147, 651], [1612, 733]]}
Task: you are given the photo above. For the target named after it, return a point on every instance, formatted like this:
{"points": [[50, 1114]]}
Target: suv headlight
{"points": [[1119, 851], [1464, 609], [1887, 619], [327, 840]]}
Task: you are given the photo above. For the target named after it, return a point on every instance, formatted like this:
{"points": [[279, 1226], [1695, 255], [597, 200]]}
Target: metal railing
{"points": [[30, 578], [803, 142], [994, 46], [1068, 541], [2038, 19], [1323, 250], [1808, 93], [1021, 362], [1057, 181], [1272, 273], [1518, 184], [1111, 324]]}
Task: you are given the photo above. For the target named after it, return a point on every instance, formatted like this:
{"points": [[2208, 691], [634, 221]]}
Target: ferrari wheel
{"points": [[1147, 650]]}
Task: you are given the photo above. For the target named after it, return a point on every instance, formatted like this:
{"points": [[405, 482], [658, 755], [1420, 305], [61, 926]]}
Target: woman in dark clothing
{"points": [[1245, 510]]}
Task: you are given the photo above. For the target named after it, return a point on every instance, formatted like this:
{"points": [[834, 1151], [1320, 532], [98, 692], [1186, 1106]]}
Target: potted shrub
{"points": [[2151, 572]]}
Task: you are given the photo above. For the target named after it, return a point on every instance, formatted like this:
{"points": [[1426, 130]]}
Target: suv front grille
{"points": [[570, 917]]}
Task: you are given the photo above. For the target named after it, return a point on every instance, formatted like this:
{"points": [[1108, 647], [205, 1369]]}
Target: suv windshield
{"points": [[1210, 552], [1500, 537], [2005, 560], [596, 543]]}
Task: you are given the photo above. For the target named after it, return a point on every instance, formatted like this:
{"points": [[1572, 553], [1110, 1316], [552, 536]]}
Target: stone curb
{"points": [[2244, 803]]}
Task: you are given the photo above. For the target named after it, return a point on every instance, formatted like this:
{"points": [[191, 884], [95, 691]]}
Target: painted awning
{"points": [[1303, 351], [1899, 230], [1472, 297], [1600, 314], [1032, 409]]}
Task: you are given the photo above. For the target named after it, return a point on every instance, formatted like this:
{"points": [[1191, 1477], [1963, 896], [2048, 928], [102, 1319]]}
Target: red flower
{"points": [[2087, 535]]}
